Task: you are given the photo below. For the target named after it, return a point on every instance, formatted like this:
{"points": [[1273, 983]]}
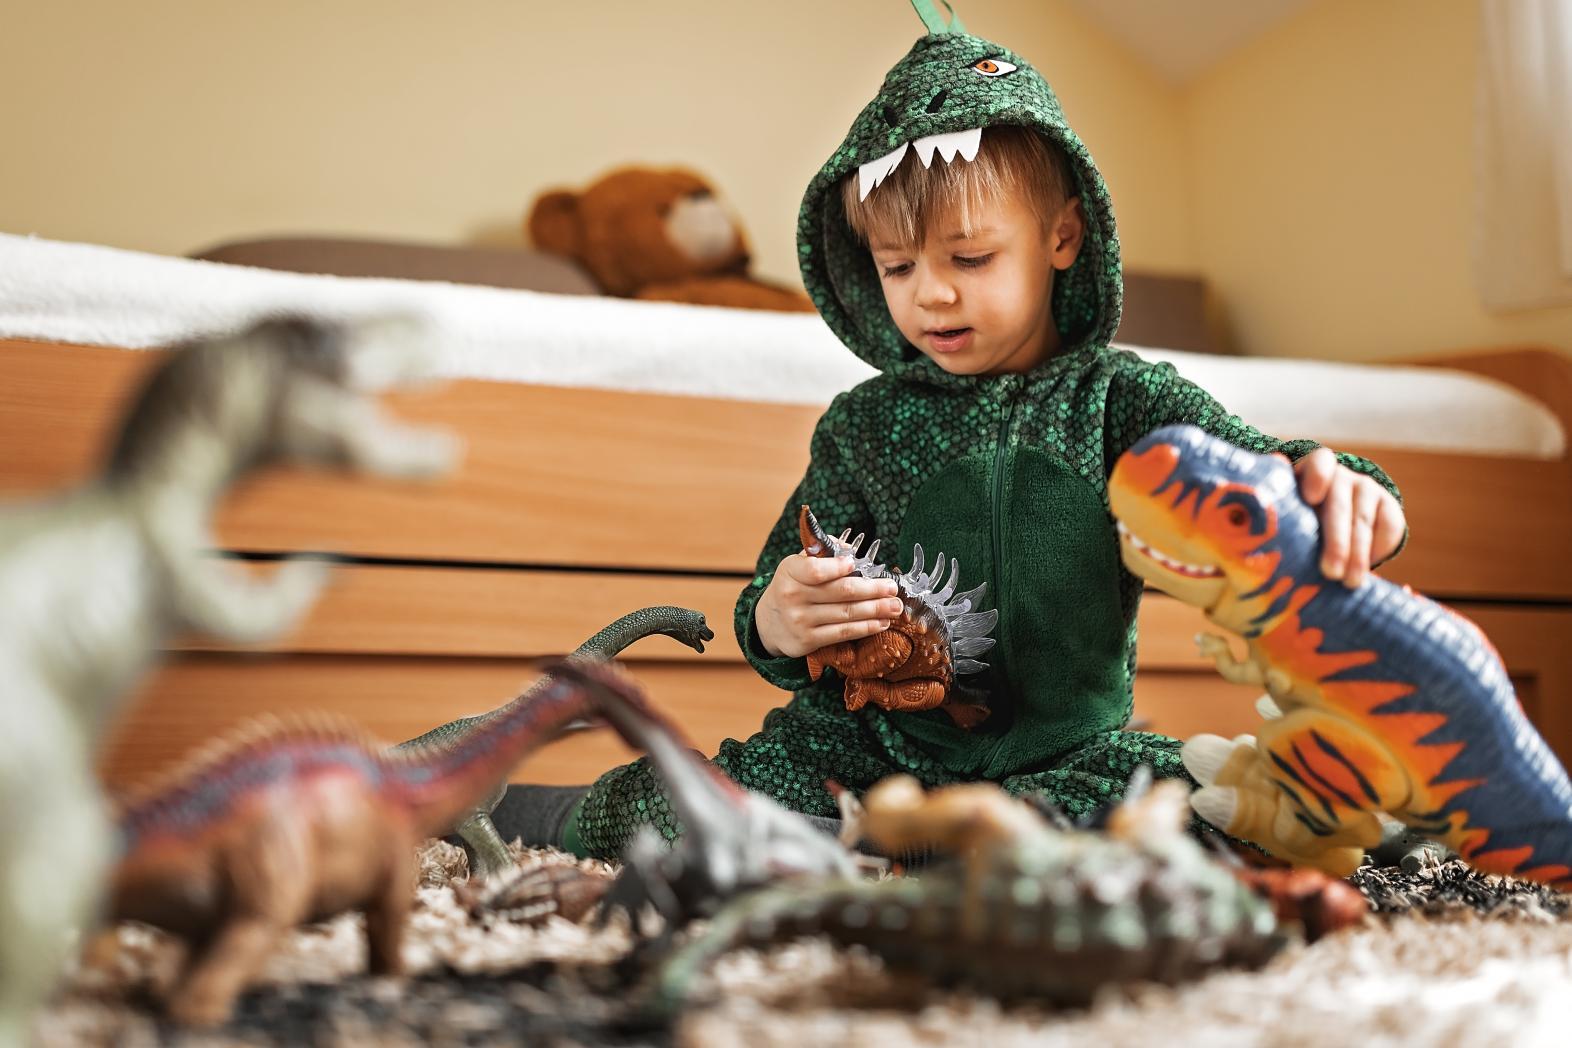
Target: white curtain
{"points": [[1523, 242]]}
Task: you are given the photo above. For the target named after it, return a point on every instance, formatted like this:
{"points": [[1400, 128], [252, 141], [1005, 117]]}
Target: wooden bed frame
{"points": [[574, 506]]}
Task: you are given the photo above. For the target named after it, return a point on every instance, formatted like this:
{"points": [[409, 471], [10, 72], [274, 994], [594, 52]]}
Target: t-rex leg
{"points": [[56, 847], [1306, 790]]}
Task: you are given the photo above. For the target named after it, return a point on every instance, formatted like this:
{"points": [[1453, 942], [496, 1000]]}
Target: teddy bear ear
{"points": [[553, 223]]}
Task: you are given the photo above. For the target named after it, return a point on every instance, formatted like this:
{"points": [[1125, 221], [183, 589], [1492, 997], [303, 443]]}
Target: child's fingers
{"points": [[849, 589], [1365, 501], [815, 571], [1389, 527], [1336, 523], [851, 611], [1316, 472], [835, 633]]}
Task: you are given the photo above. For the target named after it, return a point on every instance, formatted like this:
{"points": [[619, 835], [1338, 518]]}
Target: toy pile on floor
{"points": [[1448, 955]]}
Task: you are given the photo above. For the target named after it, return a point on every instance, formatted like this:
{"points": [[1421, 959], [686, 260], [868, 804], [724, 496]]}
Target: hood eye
{"points": [[991, 67]]}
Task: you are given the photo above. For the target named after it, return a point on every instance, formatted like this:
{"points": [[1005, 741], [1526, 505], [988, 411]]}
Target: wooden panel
{"points": [[1481, 526], [560, 477], [372, 609], [196, 696], [715, 695], [551, 476]]}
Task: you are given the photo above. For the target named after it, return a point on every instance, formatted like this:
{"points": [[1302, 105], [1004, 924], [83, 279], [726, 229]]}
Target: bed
{"points": [[627, 453]]}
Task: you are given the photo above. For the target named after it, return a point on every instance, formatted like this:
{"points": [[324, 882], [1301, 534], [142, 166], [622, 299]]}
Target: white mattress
{"points": [[95, 295]]}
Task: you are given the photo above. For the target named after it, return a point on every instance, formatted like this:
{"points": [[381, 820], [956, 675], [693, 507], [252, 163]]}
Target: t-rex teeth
{"points": [[876, 171], [948, 144]]}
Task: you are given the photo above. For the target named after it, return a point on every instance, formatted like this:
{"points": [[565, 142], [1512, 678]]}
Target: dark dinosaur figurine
{"points": [[294, 821], [733, 840], [913, 664], [488, 852]]}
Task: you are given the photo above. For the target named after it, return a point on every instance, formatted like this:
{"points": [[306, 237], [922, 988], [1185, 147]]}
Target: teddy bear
{"points": [[657, 234]]}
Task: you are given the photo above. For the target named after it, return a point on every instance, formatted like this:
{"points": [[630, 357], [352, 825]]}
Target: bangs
{"points": [[1011, 162]]}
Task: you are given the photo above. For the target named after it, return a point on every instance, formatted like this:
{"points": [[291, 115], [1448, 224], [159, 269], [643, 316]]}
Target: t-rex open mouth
{"points": [[1178, 567]]}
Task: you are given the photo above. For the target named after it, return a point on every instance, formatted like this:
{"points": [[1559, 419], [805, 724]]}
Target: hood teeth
{"points": [[876, 171], [966, 143], [948, 145]]}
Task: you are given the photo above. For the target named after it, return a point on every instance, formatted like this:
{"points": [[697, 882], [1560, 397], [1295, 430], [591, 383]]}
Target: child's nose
{"points": [[933, 290]]}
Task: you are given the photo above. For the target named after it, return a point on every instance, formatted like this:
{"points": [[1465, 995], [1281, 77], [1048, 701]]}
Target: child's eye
{"points": [[973, 261], [897, 270]]}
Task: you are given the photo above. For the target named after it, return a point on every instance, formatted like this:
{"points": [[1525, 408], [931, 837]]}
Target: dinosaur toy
{"points": [[292, 821], [732, 840], [1390, 703], [913, 664], [489, 853], [94, 580], [1031, 911]]}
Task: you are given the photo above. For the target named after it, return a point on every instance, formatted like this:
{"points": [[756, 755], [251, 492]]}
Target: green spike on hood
{"points": [[839, 272]]}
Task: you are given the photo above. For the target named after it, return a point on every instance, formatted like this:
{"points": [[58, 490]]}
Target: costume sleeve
{"points": [[1144, 397], [830, 487]]}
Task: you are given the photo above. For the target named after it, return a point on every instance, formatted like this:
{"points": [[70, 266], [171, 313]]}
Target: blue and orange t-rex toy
{"points": [[1387, 702]]}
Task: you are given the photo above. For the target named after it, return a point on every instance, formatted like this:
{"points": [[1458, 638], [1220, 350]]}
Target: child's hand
{"points": [[811, 602], [1361, 522]]}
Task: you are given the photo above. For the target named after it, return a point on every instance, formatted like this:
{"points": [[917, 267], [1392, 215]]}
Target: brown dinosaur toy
{"points": [[913, 664], [288, 822]]}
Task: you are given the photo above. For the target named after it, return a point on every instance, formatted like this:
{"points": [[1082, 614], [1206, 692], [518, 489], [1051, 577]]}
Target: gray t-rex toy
{"points": [[94, 580]]}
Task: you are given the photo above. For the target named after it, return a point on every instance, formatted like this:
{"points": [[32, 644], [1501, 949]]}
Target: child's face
{"points": [[981, 304]]}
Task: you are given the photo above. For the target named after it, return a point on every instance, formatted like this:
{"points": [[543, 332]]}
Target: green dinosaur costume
{"points": [[1003, 473]]}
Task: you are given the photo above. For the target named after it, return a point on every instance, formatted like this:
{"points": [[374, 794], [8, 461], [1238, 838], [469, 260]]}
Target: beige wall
{"points": [[1332, 170], [1320, 178], [166, 126]]}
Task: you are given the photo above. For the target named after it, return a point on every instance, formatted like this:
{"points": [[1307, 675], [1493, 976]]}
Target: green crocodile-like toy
{"points": [[488, 852], [1029, 910]]}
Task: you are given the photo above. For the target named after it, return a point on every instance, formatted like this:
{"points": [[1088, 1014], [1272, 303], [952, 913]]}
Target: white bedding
{"points": [[94, 295]]}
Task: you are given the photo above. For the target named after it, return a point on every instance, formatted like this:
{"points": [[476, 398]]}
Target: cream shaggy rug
{"points": [[1443, 971]]}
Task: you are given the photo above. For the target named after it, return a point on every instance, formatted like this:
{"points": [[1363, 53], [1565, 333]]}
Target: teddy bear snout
{"points": [[700, 228]]}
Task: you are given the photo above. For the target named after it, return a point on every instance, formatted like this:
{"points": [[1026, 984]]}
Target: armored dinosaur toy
{"points": [[913, 664], [294, 821], [92, 582], [1390, 702], [489, 853], [1032, 911]]}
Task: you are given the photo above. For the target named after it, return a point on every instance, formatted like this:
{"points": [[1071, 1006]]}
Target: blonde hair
{"points": [[1012, 161]]}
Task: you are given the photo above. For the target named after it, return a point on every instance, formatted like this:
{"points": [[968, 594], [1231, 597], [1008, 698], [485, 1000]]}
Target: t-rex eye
{"points": [[992, 67]]}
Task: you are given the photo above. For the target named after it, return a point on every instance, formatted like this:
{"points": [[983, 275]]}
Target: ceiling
{"points": [[1181, 39]]}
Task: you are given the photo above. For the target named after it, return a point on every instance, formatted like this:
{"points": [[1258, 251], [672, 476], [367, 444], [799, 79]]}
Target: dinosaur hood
{"points": [[932, 106]]}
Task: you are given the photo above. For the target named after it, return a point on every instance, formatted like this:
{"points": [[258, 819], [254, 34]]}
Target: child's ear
{"points": [[1066, 234]]}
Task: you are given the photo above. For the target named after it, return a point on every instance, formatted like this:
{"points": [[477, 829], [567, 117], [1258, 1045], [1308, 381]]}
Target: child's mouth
{"points": [[948, 340]]}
